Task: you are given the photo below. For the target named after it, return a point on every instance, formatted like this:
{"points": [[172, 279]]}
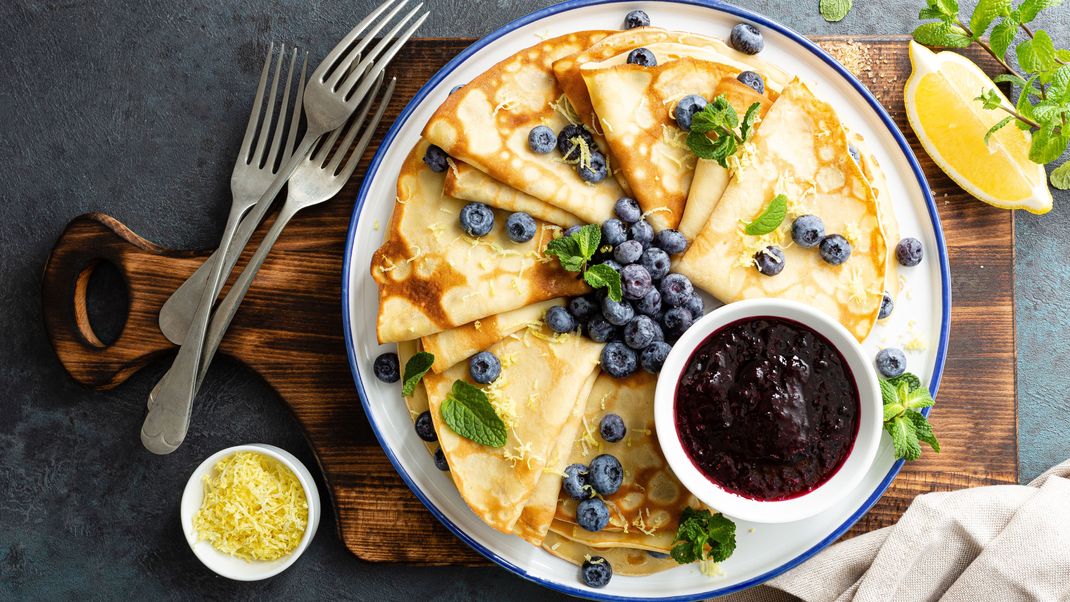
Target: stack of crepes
{"points": [[446, 293]]}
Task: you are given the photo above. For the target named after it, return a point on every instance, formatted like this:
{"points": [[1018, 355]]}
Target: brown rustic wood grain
{"points": [[289, 330]]}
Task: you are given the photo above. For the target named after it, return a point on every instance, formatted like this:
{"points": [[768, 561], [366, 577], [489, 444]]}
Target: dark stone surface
{"points": [[137, 109]]}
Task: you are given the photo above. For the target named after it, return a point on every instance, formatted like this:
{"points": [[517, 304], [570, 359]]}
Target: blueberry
{"points": [[636, 18], [387, 368], [642, 57], [476, 219], [613, 264], [639, 332], [807, 231], [675, 290], [770, 260], [659, 334], [612, 428], [520, 227], [752, 79], [440, 460], [835, 249], [628, 252], [635, 281], [854, 153], [455, 88], [746, 38], [656, 261], [617, 313], [575, 482], [908, 252], [887, 305], [559, 320], [670, 241], [425, 427], [565, 142], [542, 139], [597, 571], [695, 306], [484, 367], [618, 360], [642, 232], [435, 158], [653, 357], [677, 320], [596, 170], [613, 232], [592, 514], [628, 210], [657, 555], [600, 330], [650, 304], [605, 474], [685, 110], [571, 230], [582, 308], [891, 362]]}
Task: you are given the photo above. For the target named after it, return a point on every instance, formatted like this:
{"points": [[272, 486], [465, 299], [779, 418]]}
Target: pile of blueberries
{"points": [[657, 305]]}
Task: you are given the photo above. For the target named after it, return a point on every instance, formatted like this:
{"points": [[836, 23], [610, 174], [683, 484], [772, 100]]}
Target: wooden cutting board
{"points": [[289, 331]]}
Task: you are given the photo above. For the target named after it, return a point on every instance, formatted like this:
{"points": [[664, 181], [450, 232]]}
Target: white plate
{"points": [[923, 308]]}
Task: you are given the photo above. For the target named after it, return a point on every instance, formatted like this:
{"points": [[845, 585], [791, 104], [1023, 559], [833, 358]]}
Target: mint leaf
{"points": [[916, 399], [1003, 36], [990, 99], [603, 276], [467, 411], [1059, 86], [749, 118], [930, 12], [716, 114], [948, 7], [587, 240], [771, 217], [985, 13], [889, 393], [942, 34], [1060, 176], [701, 145], [1023, 106], [1062, 54], [891, 410], [903, 396], [995, 128], [1037, 54], [904, 438], [567, 250], [1029, 9], [1048, 145], [834, 10], [912, 382], [415, 368], [923, 430], [1047, 111], [703, 535], [1010, 78]]}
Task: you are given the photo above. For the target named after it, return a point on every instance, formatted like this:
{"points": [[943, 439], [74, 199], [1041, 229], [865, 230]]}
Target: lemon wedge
{"points": [[941, 107]]}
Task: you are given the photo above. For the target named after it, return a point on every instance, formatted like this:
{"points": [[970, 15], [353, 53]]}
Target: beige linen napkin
{"points": [[1002, 543]]}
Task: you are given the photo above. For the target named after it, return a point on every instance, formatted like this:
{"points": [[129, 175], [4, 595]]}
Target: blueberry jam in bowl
{"points": [[768, 410]]}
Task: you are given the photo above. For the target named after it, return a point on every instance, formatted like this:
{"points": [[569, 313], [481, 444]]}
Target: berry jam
{"points": [[767, 408]]}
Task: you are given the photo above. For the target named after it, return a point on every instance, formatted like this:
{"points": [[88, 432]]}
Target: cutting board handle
{"points": [[150, 272]]}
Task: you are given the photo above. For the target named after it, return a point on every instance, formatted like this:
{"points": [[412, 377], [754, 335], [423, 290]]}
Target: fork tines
{"points": [[255, 144], [330, 153]]}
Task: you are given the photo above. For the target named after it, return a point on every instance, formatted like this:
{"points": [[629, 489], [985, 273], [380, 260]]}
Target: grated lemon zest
{"points": [[563, 106]]}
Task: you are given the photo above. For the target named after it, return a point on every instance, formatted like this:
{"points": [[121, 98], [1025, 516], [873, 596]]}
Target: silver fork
{"points": [[333, 92], [177, 312], [316, 180]]}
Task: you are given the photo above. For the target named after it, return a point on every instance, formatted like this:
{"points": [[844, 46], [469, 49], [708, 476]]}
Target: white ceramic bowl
{"points": [[229, 566], [820, 498]]}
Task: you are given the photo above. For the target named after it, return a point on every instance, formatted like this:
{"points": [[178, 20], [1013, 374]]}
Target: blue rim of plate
{"points": [[373, 167]]}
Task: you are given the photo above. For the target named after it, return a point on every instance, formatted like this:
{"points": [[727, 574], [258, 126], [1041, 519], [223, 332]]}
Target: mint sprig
{"points": [[468, 412], [703, 535], [720, 119], [1043, 105], [903, 398], [575, 252], [834, 10], [415, 368], [772, 216]]}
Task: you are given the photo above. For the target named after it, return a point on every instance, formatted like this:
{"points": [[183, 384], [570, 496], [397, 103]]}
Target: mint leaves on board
{"points": [[904, 397], [729, 132], [703, 535], [1043, 105], [834, 10], [468, 412], [415, 368], [575, 253], [772, 216]]}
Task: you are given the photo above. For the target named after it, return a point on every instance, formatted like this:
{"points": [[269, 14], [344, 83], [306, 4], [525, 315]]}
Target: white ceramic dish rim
{"points": [[939, 254], [859, 460], [223, 564]]}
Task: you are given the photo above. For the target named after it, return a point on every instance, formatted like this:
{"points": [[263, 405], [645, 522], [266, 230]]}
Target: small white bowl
{"points": [[780, 511], [229, 566]]}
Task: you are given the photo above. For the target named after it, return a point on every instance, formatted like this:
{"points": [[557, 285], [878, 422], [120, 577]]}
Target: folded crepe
{"points": [[568, 69], [456, 344], [417, 402], [486, 125], [879, 183], [469, 184], [711, 179], [800, 150], [432, 276], [645, 512], [625, 561], [544, 378]]}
